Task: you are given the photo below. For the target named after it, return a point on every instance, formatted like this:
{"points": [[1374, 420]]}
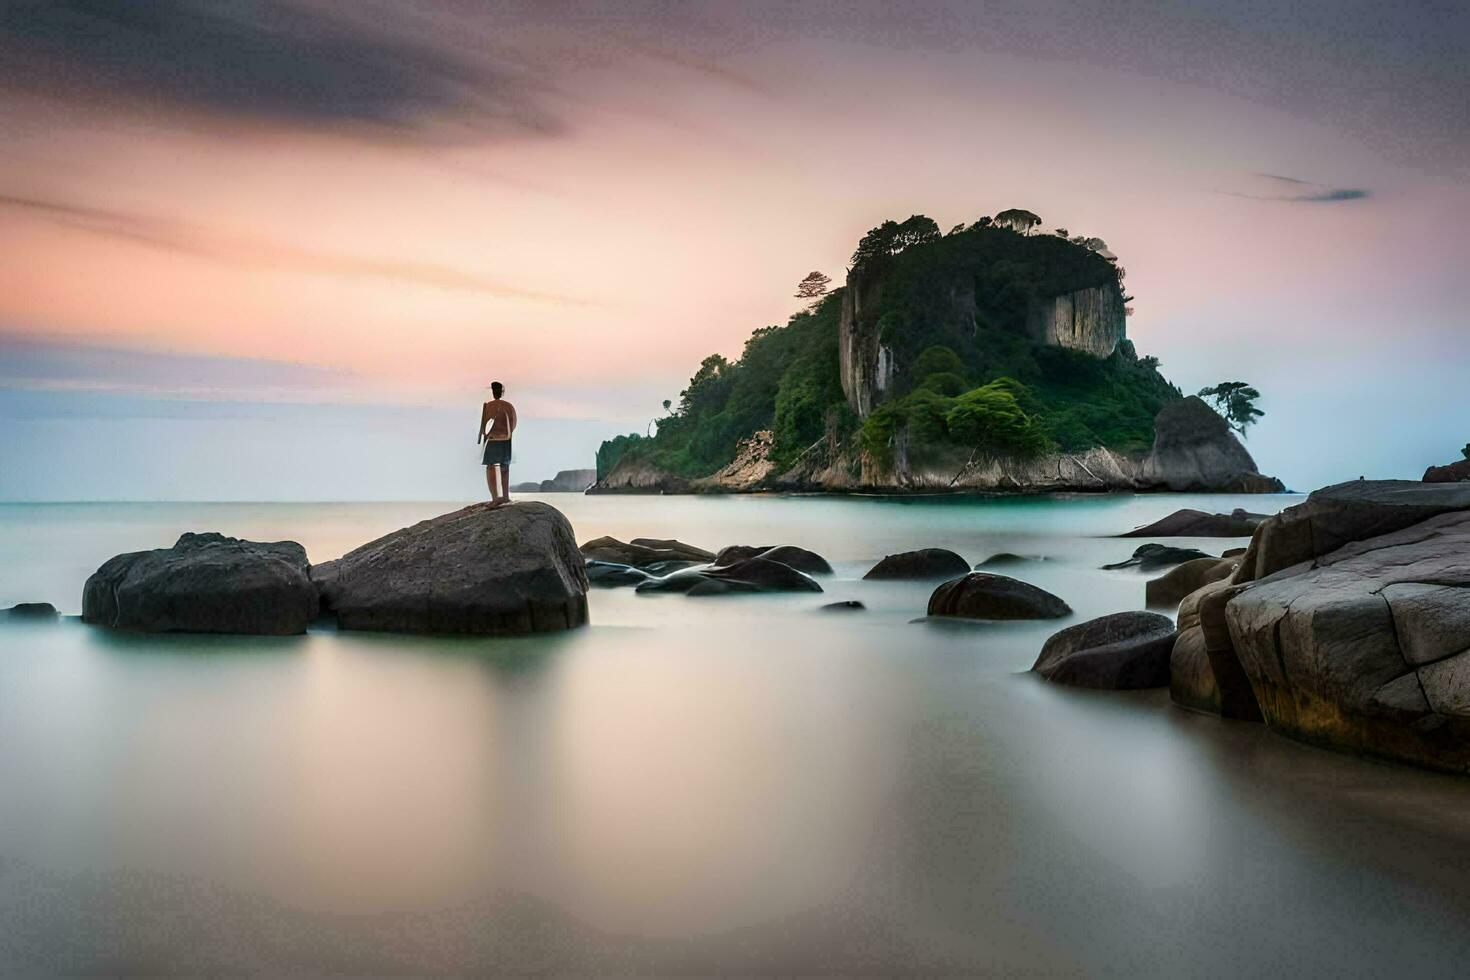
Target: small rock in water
{"points": [[33, 610], [1189, 523], [1006, 558], [798, 558], [981, 595], [849, 605], [1149, 557], [751, 575], [1124, 651], [924, 563], [1171, 587], [610, 575]]}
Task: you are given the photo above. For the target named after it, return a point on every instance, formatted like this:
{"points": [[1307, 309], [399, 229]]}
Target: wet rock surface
{"points": [[982, 595], [1124, 651], [921, 564]]}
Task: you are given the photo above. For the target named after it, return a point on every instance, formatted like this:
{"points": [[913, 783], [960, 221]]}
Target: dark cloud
{"points": [[1306, 191], [189, 239], [272, 59]]}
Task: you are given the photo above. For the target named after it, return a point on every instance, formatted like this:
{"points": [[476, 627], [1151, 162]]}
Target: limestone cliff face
{"points": [[866, 365], [1089, 320]]}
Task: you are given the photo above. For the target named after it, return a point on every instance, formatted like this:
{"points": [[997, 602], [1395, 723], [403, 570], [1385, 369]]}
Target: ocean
{"points": [[737, 784]]}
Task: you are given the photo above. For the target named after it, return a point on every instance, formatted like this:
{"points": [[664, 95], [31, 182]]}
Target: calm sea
{"points": [[737, 784]]}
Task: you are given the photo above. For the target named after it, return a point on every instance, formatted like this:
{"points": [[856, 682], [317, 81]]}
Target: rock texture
{"points": [[787, 554], [749, 575], [980, 595], [1189, 523], [1169, 589], [643, 552], [205, 583], [924, 563], [487, 570], [749, 470], [1089, 320], [611, 575], [1124, 651], [864, 363], [32, 610], [1367, 648], [1456, 472]]}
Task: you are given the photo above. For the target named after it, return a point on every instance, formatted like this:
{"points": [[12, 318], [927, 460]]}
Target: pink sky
{"points": [[685, 181]]}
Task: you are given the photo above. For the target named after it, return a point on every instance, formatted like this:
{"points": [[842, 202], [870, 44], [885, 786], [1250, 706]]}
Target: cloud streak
{"points": [[191, 240], [1305, 191], [270, 59]]}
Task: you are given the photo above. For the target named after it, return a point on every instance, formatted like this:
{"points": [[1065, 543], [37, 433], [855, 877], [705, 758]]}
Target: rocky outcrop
{"points": [[864, 362], [1189, 523], [1367, 648], [1456, 472], [1088, 320], [565, 481], [787, 554], [921, 564], [641, 476], [1151, 557], [1169, 589], [483, 569], [643, 552], [1124, 651], [1345, 512], [981, 595], [205, 583], [1196, 450], [750, 575], [749, 470]]}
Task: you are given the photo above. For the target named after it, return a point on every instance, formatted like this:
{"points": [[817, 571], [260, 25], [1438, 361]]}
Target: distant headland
{"points": [[991, 358]]}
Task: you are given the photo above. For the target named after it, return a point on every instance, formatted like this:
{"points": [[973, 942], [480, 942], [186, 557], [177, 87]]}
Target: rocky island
{"points": [[987, 359]]}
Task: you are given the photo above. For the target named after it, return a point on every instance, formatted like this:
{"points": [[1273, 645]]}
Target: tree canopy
{"points": [[1236, 401], [814, 285], [1018, 219]]}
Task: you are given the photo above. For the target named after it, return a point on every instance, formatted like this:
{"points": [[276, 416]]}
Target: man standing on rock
{"points": [[501, 416]]}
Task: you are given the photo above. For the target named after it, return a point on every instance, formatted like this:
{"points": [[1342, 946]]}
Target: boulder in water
{"points": [[205, 583], [610, 575], [1150, 557], [32, 610], [642, 552], [1006, 559], [751, 575], [1124, 651], [798, 558], [1170, 588], [1189, 523], [981, 595], [847, 605], [921, 564], [482, 569]]}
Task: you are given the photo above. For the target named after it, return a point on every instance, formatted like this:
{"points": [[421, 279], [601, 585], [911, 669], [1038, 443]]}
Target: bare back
{"points": [[501, 416]]}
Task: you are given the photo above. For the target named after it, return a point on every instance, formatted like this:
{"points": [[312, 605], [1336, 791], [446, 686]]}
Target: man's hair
{"points": [[496, 388]]}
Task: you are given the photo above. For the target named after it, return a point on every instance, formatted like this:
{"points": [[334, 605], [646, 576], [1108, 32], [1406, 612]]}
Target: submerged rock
{"points": [[205, 583], [610, 575], [798, 558], [482, 569], [848, 605], [981, 595], [1189, 523], [32, 610], [1006, 559], [924, 563], [1170, 588], [1124, 651], [1150, 557], [751, 575], [642, 552]]}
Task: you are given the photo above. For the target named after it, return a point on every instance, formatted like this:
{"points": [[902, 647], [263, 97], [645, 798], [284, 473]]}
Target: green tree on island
{"points": [[1236, 401], [813, 286], [1018, 220]]}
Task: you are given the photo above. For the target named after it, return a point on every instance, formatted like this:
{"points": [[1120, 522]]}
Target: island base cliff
{"points": [[1194, 450]]}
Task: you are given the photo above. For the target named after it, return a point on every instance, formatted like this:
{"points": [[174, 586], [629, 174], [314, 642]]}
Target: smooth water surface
{"points": [[737, 784]]}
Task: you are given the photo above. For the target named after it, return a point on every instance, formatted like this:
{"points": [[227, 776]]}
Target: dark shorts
{"points": [[497, 452]]}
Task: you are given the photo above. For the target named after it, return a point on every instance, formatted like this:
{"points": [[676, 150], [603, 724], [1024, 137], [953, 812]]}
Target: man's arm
{"points": [[484, 417], [511, 421]]}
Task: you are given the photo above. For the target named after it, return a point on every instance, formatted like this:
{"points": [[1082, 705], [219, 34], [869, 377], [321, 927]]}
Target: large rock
{"points": [[981, 595], [756, 574], [1345, 512], [205, 583], [643, 552], [1124, 651], [1204, 673], [1152, 557], [1366, 648], [482, 569], [787, 554], [1195, 450], [31, 610], [921, 564], [1456, 472], [1189, 523], [1170, 588]]}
